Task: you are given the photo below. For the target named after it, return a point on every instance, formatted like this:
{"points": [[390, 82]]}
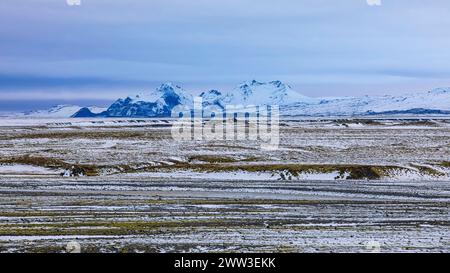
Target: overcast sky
{"points": [[104, 49]]}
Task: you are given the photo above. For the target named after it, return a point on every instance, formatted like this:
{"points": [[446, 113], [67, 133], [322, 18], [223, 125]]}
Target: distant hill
{"points": [[58, 111]]}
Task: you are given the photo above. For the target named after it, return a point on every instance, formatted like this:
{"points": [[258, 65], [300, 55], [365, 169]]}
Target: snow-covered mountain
{"points": [[58, 111], [256, 93], [270, 93], [436, 101], [160, 102]]}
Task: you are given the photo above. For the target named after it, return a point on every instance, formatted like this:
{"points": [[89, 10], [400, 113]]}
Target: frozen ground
{"points": [[335, 185]]}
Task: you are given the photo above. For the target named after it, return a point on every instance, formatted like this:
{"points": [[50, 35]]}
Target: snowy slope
{"points": [[293, 103], [255, 93], [437, 99], [58, 111], [270, 93]]}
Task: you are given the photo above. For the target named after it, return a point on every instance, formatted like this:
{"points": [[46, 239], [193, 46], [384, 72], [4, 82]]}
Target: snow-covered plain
{"points": [[405, 147], [141, 191]]}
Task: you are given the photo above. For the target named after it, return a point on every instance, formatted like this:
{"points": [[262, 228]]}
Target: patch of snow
{"points": [[25, 170]]}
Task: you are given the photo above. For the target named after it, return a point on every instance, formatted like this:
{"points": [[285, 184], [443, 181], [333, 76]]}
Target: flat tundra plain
{"points": [[124, 185]]}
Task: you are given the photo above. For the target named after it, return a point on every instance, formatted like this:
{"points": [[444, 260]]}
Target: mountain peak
{"points": [[173, 95], [250, 83], [279, 84], [156, 103], [168, 86], [266, 93]]}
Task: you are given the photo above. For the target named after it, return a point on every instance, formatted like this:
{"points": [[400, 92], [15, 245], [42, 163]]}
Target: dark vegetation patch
{"points": [[52, 163], [418, 123], [290, 170], [358, 121], [220, 159], [445, 164], [211, 159], [361, 172], [119, 228]]}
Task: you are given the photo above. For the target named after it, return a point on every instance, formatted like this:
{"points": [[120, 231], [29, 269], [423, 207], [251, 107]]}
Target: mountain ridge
{"points": [[57, 111], [161, 101]]}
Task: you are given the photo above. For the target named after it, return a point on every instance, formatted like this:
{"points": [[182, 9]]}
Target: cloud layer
{"points": [[320, 47]]}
